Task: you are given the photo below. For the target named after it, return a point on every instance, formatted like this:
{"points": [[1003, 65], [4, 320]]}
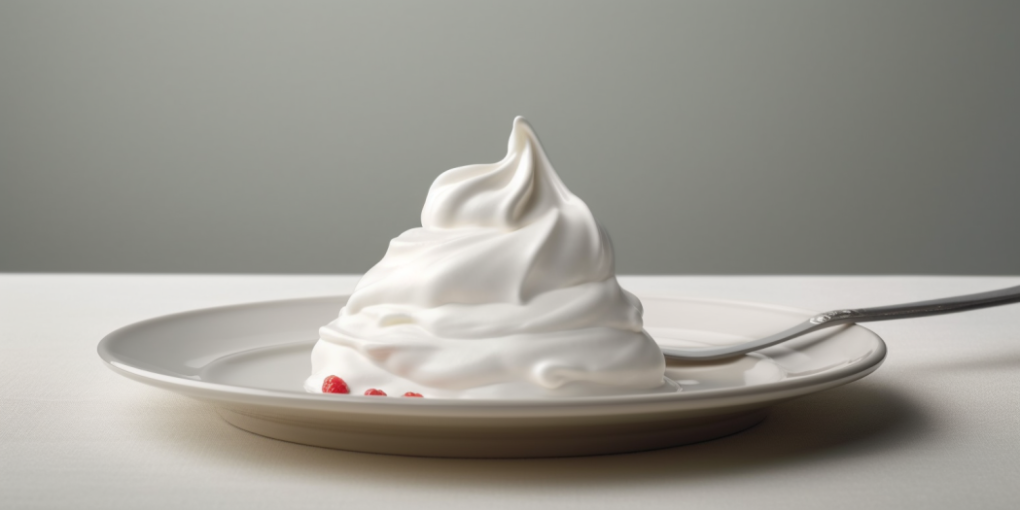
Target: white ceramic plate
{"points": [[250, 362]]}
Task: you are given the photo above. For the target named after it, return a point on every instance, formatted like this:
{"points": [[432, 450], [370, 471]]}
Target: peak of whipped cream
{"points": [[509, 195], [506, 291]]}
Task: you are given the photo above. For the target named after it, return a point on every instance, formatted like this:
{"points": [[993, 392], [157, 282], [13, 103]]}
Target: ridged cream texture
{"points": [[506, 291]]}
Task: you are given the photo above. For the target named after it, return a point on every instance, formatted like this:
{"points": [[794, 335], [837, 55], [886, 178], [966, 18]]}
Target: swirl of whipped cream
{"points": [[506, 291]]}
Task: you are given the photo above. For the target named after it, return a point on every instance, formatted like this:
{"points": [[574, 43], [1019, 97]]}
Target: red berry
{"points": [[413, 394], [334, 384], [375, 393]]}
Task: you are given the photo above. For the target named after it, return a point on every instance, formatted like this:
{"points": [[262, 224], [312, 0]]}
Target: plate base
{"points": [[497, 442]]}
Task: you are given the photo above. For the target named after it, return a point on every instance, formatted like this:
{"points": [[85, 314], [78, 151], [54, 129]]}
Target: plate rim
{"points": [[720, 397]]}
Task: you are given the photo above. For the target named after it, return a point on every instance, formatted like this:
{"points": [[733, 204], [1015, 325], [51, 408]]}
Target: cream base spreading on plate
{"points": [[506, 291]]}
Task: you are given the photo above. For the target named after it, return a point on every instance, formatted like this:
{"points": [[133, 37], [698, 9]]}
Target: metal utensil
{"points": [[837, 317]]}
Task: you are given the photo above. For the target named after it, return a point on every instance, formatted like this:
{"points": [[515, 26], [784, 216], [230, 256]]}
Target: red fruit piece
{"points": [[413, 394], [375, 393], [334, 384]]}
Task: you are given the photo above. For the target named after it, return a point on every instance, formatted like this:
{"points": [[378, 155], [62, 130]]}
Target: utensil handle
{"points": [[921, 308], [836, 317]]}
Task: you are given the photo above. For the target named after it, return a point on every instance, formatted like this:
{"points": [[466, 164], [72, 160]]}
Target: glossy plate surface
{"points": [[251, 360]]}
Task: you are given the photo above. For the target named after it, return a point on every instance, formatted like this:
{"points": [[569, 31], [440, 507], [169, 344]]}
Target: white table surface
{"points": [[937, 425]]}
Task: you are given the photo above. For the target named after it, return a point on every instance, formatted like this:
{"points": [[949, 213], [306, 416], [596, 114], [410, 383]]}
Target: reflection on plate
{"points": [[251, 360]]}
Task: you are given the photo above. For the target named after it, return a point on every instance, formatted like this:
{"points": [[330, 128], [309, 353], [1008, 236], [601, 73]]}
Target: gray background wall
{"points": [[709, 137]]}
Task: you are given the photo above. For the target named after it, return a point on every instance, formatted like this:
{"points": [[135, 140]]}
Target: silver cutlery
{"points": [[837, 317]]}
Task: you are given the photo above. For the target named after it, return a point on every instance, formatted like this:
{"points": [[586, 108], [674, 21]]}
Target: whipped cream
{"points": [[506, 291]]}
